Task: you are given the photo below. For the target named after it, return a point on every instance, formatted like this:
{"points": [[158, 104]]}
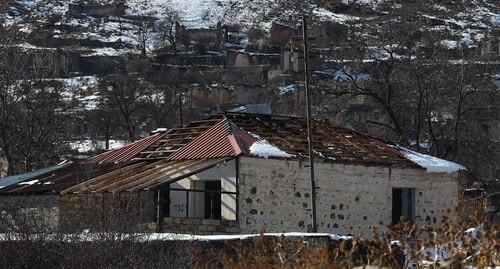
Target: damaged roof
{"points": [[232, 134], [126, 152], [166, 157], [57, 178], [145, 175]]}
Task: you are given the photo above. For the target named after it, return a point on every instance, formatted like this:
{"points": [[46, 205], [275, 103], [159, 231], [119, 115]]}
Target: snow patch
{"points": [[262, 148], [449, 44], [286, 89], [87, 236], [85, 146], [430, 163], [346, 75], [31, 182]]}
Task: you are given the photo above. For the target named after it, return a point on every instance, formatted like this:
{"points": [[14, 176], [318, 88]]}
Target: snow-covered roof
{"points": [[430, 163]]}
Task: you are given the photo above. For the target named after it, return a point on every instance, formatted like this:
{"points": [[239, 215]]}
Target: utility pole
{"points": [[314, 227], [179, 101]]}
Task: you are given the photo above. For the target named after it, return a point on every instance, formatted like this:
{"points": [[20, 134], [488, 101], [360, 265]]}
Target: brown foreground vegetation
{"points": [[110, 238]]}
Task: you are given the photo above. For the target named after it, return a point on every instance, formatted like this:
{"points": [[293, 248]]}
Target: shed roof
{"points": [[56, 180]]}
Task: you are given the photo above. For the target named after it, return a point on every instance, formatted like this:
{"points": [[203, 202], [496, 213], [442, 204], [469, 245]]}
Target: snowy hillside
{"points": [[467, 23], [79, 43]]}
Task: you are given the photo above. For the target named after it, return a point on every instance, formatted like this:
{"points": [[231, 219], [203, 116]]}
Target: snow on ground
{"points": [[346, 75], [262, 148], [148, 237], [207, 13], [449, 44], [430, 163], [79, 82], [373, 4]]}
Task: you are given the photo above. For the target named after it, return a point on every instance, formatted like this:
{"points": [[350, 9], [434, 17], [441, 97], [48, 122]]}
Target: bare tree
{"points": [[431, 97], [166, 28], [33, 118], [124, 95]]}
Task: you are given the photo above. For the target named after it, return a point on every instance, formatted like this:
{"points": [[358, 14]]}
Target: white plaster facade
{"points": [[225, 173]]}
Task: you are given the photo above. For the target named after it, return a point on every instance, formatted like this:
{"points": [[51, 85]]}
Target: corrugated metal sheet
{"points": [[177, 138], [11, 180], [216, 142], [54, 181], [127, 152], [144, 176], [244, 139]]}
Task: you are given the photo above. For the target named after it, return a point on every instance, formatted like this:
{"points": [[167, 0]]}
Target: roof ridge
{"points": [[215, 142]]}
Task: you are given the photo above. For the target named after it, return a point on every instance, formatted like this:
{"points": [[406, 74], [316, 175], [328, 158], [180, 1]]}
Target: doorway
{"points": [[403, 204], [213, 199]]}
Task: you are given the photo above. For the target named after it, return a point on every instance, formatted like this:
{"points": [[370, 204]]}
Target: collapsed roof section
{"points": [[127, 152]]}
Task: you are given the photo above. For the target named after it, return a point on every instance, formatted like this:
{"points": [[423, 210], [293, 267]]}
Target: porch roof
{"points": [[145, 175]]}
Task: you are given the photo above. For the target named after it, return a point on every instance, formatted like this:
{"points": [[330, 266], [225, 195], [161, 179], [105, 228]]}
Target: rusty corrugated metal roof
{"points": [[213, 143], [221, 140], [177, 138], [231, 134], [127, 152]]}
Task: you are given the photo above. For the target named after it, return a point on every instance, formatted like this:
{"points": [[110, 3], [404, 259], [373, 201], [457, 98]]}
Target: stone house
{"points": [[96, 9], [247, 173], [213, 38]]}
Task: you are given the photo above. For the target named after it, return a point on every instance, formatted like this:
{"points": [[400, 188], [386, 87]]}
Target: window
{"points": [[403, 204]]}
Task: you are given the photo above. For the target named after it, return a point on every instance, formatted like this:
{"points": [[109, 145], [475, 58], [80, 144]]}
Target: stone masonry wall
{"points": [[200, 226], [34, 213], [275, 196]]}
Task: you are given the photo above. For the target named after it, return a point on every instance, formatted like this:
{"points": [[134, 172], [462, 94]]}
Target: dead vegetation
{"points": [[404, 245], [112, 240]]}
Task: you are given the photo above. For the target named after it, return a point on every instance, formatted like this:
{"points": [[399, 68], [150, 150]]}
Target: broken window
{"points": [[403, 204]]}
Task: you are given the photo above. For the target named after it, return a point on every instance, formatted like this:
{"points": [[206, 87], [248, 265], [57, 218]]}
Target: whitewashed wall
{"points": [[225, 172], [275, 196]]}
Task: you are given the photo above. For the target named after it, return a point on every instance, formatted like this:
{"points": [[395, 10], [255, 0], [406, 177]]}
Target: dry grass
{"points": [[401, 246]]}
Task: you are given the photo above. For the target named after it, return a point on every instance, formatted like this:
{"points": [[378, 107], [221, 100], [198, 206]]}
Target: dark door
{"points": [[212, 200], [403, 204], [396, 205]]}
